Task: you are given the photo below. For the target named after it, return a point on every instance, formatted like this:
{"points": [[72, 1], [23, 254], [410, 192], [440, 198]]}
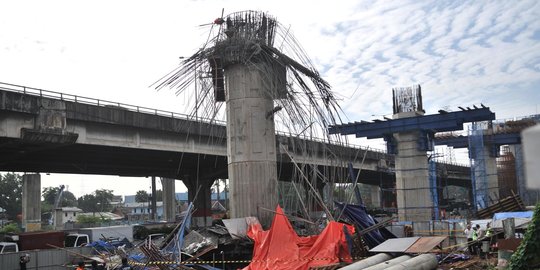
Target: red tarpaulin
{"points": [[281, 248]]}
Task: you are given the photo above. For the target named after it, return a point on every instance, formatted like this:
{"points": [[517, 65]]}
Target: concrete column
{"points": [[517, 151], [169, 200], [413, 195], [31, 202], [491, 175], [201, 201], [485, 175], [375, 193], [317, 210], [251, 143], [153, 201]]}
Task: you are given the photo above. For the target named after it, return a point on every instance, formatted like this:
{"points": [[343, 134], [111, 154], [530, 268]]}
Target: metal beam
{"points": [[495, 139], [433, 122]]}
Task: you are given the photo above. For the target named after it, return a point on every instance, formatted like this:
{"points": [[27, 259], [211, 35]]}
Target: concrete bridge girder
{"points": [[122, 142]]}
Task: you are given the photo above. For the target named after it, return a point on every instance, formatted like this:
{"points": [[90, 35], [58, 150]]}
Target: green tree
{"points": [[68, 199], [11, 194], [50, 193], [10, 228], [98, 201], [104, 198], [83, 219], [142, 196], [88, 203], [526, 256]]}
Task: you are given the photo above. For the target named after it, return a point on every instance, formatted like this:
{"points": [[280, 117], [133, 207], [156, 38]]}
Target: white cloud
{"points": [[457, 49]]}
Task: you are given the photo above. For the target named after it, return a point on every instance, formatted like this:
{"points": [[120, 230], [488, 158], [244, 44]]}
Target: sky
{"points": [[460, 52]]}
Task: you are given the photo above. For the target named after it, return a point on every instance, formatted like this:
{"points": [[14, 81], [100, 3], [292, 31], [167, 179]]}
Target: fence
{"points": [[49, 259], [453, 229]]}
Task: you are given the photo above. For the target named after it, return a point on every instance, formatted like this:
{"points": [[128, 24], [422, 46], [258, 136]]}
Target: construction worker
{"points": [[489, 230], [80, 266], [474, 243], [23, 260], [468, 233], [489, 234], [485, 241]]}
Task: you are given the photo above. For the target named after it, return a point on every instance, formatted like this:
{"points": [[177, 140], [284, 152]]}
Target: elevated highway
{"points": [[45, 131]]}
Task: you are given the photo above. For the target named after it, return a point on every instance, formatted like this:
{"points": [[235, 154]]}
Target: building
{"points": [[64, 215], [182, 197], [142, 210]]}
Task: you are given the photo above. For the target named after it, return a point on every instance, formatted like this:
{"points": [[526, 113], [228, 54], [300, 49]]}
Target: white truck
{"points": [[6, 247], [111, 232], [76, 240]]}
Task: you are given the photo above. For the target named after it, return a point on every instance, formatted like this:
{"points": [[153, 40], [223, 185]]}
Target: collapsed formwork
{"points": [[256, 67]]}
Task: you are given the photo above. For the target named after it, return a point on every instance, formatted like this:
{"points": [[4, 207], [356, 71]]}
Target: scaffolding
{"points": [[434, 187], [507, 173], [477, 158]]}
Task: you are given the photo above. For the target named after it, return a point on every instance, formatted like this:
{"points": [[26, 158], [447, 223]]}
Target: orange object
{"points": [[281, 248]]}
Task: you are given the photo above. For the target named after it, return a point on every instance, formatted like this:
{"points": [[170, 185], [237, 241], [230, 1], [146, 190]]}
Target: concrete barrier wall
{"points": [[50, 259]]}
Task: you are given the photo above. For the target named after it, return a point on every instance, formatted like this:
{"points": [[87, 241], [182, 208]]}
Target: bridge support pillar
{"points": [[484, 172], [251, 142], [375, 194], [31, 202], [199, 192], [492, 177], [314, 205], [169, 200], [413, 191]]}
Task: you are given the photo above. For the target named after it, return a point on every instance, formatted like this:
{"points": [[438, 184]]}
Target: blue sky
{"points": [[461, 52]]}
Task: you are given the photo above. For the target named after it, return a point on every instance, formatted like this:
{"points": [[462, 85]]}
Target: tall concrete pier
{"points": [[250, 82], [413, 192], [248, 73], [31, 202], [169, 200], [410, 135], [251, 143]]}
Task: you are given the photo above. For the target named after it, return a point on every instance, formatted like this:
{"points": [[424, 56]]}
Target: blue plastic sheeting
{"points": [[505, 215], [110, 246], [102, 246], [176, 244], [443, 258], [358, 215], [137, 257]]}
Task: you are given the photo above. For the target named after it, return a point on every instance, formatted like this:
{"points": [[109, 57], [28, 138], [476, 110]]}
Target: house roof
{"points": [[108, 215], [216, 206], [69, 209]]}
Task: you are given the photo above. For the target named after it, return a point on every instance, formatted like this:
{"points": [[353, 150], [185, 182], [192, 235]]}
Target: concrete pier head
{"points": [[31, 202]]}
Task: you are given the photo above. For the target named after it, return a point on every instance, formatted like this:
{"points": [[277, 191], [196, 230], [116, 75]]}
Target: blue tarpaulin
{"points": [[505, 215], [176, 244], [358, 215]]}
